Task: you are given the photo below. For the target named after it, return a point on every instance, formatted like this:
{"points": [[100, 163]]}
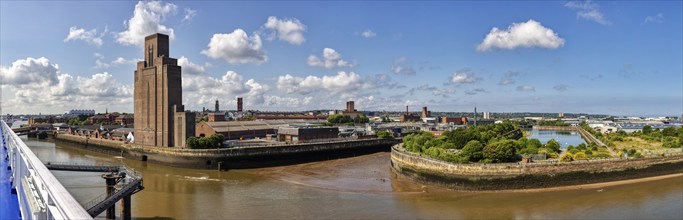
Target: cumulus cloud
{"points": [[90, 36], [288, 30], [561, 87], [147, 19], [526, 88], [464, 76], [368, 34], [189, 14], [526, 34], [341, 82], [189, 67], [236, 48], [401, 68], [30, 71], [659, 18], [331, 59], [38, 84], [199, 89], [588, 10]]}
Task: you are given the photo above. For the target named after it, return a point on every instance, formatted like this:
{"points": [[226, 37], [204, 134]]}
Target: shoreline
{"points": [[585, 186], [336, 175]]}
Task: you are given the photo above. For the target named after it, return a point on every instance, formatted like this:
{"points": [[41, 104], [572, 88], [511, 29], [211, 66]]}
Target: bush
{"points": [[638, 155], [567, 157], [580, 156], [588, 152], [553, 145], [601, 155], [383, 134], [632, 152], [192, 143]]}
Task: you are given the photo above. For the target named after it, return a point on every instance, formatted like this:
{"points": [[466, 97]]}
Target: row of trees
{"points": [[487, 144], [557, 122], [339, 118], [211, 142]]}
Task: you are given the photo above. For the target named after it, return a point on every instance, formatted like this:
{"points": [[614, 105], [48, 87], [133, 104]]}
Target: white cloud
{"points": [[189, 67], [464, 76], [368, 34], [526, 88], [90, 36], [122, 61], [588, 10], [236, 48], [289, 30], [331, 59], [659, 18], [401, 68], [30, 71], [342, 82], [38, 84], [527, 34], [189, 14], [199, 89], [147, 19]]}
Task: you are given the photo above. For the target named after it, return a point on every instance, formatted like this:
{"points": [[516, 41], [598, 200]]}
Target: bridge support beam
{"points": [[111, 182], [125, 208]]}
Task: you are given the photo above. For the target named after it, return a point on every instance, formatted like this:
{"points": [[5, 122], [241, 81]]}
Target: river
{"points": [[358, 188]]}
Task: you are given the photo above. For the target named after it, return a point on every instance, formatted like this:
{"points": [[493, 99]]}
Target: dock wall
{"points": [[478, 176]]}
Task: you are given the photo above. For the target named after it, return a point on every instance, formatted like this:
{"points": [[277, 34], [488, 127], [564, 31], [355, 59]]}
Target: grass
{"points": [[637, 143]]}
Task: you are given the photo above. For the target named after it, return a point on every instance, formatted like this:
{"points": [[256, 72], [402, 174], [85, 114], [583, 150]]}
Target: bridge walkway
{"points": [[9, 202], [130, 184]]}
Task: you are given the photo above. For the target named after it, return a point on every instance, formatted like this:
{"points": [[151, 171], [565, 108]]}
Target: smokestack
{"points": [[407, 110], [239, 104], [475, 116], [216, 105]]}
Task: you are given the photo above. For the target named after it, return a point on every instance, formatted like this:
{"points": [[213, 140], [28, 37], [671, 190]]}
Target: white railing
{"points": [[41, 195]]}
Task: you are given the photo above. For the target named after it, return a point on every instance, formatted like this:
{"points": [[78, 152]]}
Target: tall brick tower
{"points": [[158, 97]]}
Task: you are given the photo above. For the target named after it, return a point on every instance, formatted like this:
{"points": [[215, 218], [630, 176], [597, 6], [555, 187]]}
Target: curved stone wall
{"points": [[477, 176]]}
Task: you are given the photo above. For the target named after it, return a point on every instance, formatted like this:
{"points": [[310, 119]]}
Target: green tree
{"points": [[204, 142], [647, 129], [500, 151], [473, 151], [553, 145], [669, 132], [192, 143]]}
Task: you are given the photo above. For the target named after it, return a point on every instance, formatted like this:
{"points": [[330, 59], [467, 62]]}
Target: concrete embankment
{"points": [[238, 157], [477, 176]]}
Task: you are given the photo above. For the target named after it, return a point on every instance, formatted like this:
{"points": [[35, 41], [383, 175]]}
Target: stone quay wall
{"points": [[236, 157], [477, 176]]}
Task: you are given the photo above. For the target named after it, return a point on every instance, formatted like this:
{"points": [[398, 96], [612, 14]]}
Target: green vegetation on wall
{"points": [[493, 143]]}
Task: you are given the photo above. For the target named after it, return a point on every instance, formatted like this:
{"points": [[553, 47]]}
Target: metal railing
{"points": [[41, 195]]}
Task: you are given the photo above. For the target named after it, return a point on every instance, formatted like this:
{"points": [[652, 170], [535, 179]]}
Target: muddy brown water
{"points": [[352, 188]]}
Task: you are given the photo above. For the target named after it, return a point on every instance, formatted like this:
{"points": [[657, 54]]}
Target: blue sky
{"points": [[617, 58]]}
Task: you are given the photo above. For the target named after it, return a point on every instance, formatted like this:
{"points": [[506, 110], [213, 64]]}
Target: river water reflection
{"points": [[361, 187]]}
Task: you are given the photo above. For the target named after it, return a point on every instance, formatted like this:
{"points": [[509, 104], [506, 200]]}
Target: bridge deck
{"points": [[9, 203]]}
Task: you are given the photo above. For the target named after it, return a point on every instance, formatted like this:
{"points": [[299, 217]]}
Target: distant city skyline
{"points": [[596, 57]]}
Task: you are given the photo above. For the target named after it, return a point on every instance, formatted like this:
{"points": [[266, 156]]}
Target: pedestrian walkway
{"points": [[9, 203]]}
